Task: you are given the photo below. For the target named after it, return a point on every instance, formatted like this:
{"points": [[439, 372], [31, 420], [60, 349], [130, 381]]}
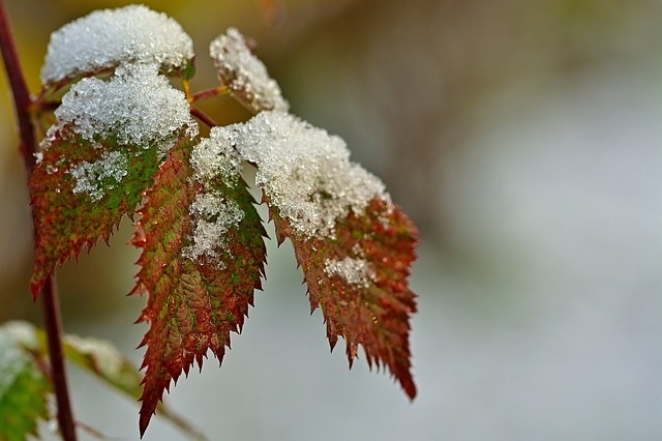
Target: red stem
{"points": [[202, 116], [50, 305], [209, 93]]}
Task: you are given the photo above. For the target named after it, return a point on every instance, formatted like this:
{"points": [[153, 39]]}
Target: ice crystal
{"points": [[107, 38], [305, 172], [244, 73], [353, 271], [136, 106], [90, 177], [213, 215]]}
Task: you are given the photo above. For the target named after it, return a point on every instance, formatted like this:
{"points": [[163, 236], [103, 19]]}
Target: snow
{"points": [[89, 176], [107, 38], [244, 73], [215, 157], [137, 106], [305, 172], [213, 215], [353, 271]]}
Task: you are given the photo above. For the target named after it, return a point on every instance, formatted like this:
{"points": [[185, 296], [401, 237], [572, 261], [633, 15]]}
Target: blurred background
{"points": [[525, 140]]}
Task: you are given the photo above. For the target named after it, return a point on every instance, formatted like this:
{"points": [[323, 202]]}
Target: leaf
{"points": [[104, 39], [24, 388], [98, 159], [359, 280], [73, 213], [244, 74], [105, 362], [197, 293]]}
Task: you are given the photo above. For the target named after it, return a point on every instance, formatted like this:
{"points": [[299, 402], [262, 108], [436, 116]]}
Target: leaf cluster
{"points": [[120, 140]]}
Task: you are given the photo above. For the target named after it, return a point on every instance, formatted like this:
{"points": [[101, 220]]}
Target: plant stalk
{"points": [[50, 302]]}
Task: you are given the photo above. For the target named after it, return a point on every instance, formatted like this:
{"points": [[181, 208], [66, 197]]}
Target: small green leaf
{"points": [[24, 388]]}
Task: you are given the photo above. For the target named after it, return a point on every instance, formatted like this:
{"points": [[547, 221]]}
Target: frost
{"points": [[136, 106], [90, 176], [353, 271], [107, 38], [215, 157], [305, 172], [244, 73], [213, 215]]}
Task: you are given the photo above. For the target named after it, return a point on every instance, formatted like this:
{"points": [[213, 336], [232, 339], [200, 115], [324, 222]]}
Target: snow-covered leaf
{"points": [[203, 256], [244, 74], [354, 245], [98, 159], [104, 39], [24, 388]]}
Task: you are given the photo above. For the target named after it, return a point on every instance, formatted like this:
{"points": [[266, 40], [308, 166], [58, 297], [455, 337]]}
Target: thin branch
{"points": [[51, 309], [22, 101], [203, 117], [52, 323], [209, 93]]}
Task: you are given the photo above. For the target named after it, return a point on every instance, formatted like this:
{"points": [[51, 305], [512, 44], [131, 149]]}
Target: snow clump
{"points": [[305, 172], [244, 73], [107, 38]]}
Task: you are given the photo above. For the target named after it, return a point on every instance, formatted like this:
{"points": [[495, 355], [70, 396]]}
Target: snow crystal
{"points": [[107, 38], [305, 172], [244, 73], [213, 215], [137, 106], [215, 157], [89, 175], [353, 271]]}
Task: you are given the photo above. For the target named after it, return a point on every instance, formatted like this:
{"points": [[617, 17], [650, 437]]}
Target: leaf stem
{"points": [[52, 323], [203, 117], [50, 305], [22, 101], [209, 93]]}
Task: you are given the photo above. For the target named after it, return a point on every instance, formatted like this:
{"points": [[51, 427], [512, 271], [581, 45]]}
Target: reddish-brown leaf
{"points": [[359, 280], [69, 217], [193, 302]]}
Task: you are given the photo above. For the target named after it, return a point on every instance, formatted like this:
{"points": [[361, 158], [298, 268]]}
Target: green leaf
{"points": [[359, 280], [24, 388], [198, 291], [105, 362]]}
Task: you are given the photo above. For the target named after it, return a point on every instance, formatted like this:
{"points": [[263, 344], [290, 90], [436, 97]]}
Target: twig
{"points": [[209, 93], [50, 305], [203, 117]]}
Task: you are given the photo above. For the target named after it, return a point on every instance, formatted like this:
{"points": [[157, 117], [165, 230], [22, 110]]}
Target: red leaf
{"points": [[194, 298], [359, 280]]}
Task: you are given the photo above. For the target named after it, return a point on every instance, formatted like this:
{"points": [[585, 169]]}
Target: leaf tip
{"points": [[408, 386]]}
